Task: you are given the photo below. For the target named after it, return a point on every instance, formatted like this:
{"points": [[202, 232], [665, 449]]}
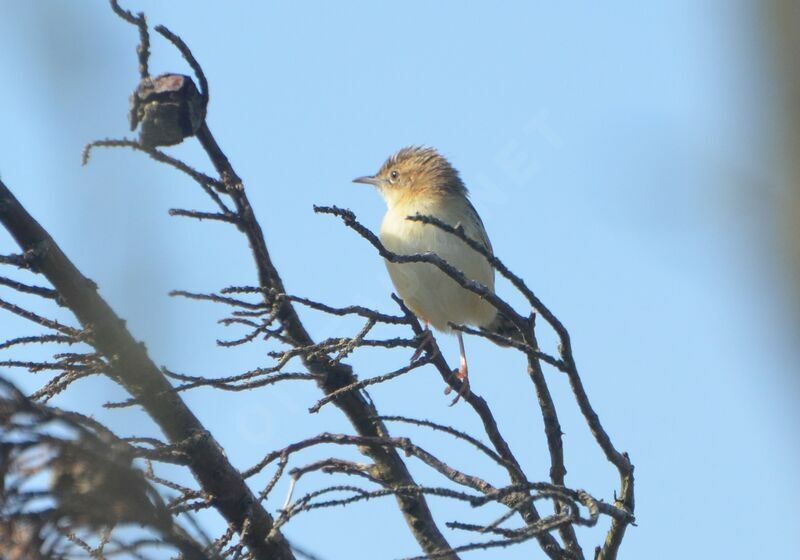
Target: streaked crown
{"points": [[422, 170]]}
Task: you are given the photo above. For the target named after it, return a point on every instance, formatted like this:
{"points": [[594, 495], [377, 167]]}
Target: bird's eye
{"points": [[394, 175]]}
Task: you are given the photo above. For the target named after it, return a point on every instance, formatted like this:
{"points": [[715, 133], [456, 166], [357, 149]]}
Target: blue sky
{"points": [[623, 159]]}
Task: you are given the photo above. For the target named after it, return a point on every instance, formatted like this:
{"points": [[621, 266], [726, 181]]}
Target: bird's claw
{"points": [[462, 375], [426, 341]]}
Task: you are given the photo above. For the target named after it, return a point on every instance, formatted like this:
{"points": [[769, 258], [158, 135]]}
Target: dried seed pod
{"points": [[168, 107]]}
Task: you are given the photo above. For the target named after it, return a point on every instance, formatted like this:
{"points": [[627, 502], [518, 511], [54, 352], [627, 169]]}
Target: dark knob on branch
{"points": [[168, 107]]}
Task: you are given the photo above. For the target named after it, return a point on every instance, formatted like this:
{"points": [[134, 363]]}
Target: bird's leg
{"points": [[426, 341], [462, 373], [463, 370]]}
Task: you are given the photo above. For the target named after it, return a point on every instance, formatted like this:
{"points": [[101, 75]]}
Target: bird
{"points": [[418, 180]]}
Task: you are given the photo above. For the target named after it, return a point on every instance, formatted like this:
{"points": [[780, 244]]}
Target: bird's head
{"points": [[415, 172]]}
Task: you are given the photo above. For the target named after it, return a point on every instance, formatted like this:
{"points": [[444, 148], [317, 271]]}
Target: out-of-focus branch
{"points": [[92, 488], [132, 368], [783, 33]]}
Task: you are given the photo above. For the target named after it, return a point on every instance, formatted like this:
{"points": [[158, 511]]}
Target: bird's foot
{"points": [[426, 342], [462, 375]]}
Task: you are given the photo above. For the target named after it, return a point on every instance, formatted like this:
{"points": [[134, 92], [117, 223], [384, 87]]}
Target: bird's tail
{"points": [[502, 325]]}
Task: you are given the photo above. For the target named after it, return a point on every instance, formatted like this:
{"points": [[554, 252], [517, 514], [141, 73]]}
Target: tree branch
{"points": [[134, 370], [331, 376]]}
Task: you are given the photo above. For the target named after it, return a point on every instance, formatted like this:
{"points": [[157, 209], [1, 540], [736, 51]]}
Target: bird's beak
{"points": [[368, 180]]}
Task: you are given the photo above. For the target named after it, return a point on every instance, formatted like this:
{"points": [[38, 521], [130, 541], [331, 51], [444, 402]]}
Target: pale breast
{"points": [[429, 292]]}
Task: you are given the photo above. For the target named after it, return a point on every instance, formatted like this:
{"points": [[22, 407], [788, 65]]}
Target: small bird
{"points": [[419, 180]]}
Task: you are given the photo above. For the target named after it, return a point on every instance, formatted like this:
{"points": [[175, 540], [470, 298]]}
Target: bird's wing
{"points": [[482, 237]]}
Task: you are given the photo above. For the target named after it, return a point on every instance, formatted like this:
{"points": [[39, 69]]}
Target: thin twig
{"points": [[202, 215], [143, 50], [371, 381], [47, 293], [189, 56]]}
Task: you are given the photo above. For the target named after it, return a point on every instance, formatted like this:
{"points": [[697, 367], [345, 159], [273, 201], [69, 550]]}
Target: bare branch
{"points": [[273, 319], [350, 310], [39, 339], [187, 54], [330, 376], [143, 50], [30, 315], [92, 484], [210, 185], [202, 215], [27, 289], [349, 219], [452, 431], [134, 369], [15, 260], [367, 382]]}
